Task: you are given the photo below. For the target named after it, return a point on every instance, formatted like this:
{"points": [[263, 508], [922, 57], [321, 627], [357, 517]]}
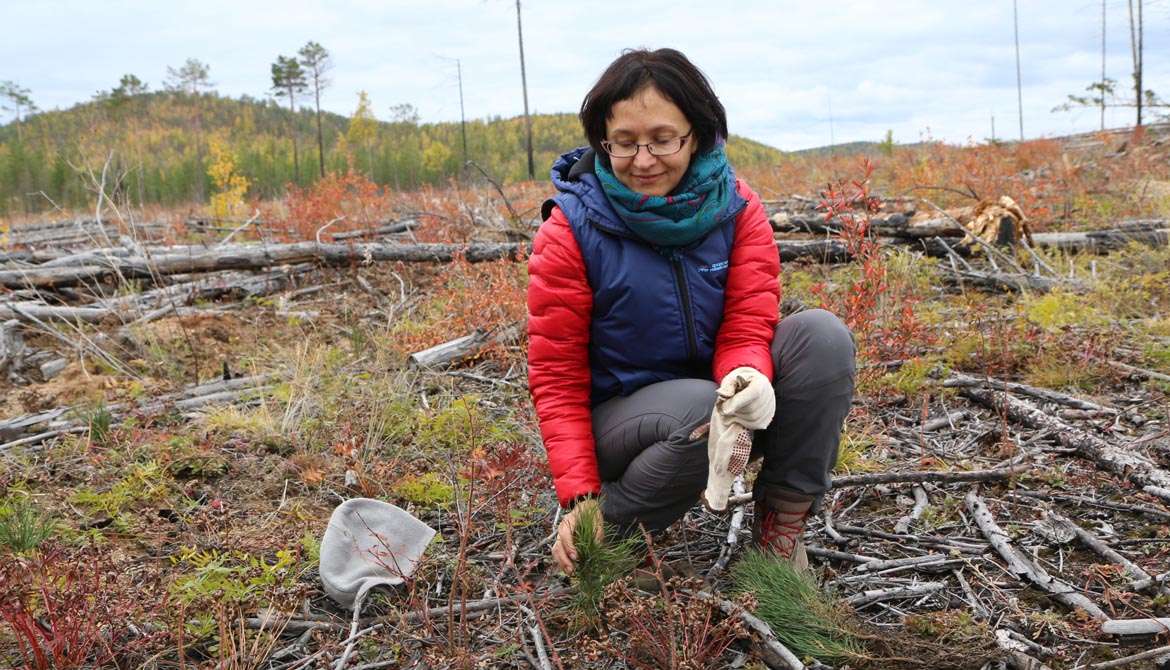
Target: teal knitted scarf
{"points": [[698, 204]]}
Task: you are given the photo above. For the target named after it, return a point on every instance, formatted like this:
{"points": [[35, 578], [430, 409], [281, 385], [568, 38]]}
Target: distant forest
{"points": [[159, 147]]}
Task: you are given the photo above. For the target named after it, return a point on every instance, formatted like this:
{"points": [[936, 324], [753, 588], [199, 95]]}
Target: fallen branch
{"points": [[1155, 626], [1133, 658], [859, 600], [919, 476], [1021, 566], [52, 422], [728, 549], [998, 474], [960, 380], [1140, 373], [1137, 575], [921, 501], [1124, 463], [463, 347]]}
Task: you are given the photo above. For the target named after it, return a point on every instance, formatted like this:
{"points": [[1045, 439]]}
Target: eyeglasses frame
{"points": [[606, 144]]}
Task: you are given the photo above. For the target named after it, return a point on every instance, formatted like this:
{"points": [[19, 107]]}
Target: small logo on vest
{"points": [[714, 267]]}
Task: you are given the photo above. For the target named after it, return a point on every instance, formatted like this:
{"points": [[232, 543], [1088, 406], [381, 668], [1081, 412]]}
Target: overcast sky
{"points": [[791, 74]]}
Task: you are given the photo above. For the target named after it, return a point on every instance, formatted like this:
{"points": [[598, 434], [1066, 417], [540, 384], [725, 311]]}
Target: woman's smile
{"points": [[646, 179]]}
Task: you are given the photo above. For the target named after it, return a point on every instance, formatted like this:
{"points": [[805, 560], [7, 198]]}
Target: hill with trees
{"points": [[156, 147]]}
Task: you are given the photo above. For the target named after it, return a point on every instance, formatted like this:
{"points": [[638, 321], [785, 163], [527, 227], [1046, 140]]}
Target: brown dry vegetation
{"points": [[205, 518]]}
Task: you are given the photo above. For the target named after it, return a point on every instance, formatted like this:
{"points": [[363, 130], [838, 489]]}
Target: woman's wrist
{"points": [[579, 499]]}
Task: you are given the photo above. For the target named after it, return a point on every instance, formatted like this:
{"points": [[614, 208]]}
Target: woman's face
{"points": [[649, 117]]}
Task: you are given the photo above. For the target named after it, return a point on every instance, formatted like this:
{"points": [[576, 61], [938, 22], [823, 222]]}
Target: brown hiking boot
{"points": [[779, 522]]}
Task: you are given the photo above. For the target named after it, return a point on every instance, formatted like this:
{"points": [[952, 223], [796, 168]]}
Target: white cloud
{"points": [[903, 66]]}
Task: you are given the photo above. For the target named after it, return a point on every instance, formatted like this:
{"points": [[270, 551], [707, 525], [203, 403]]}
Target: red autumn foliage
{"points": [[73, 608], [489, 296], [362, 203], [879, 312]]}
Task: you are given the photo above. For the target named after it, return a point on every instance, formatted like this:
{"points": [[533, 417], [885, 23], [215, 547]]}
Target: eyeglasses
{"points": [[659, 148]]}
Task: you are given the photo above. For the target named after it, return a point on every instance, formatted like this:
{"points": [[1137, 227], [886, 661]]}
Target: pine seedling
{"points": [[599, 562], [807, 621], [23, 527]]}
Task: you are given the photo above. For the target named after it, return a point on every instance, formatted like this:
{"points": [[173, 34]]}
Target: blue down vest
{"points": [[656, 310]]}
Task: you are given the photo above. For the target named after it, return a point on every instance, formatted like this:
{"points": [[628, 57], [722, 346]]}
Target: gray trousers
{"points": [[652, 473]]}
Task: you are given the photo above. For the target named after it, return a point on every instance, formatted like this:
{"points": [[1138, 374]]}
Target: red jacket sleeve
{"points": [[751, 299], [560, 304]]}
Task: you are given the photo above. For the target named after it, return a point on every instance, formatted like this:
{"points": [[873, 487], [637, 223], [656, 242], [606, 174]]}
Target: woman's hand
{"points": [[747, 398], [563, 551]]}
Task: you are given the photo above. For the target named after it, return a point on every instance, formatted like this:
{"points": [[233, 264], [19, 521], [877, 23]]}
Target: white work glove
{"points": [[745, 402], [747, 397]]}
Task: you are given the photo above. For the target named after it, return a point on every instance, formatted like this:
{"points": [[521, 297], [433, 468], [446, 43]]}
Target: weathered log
{"points": [[1008, 282], [1140, 373], [27, 311], [52, 368], [893, 225], [31, 257], [62, 418], [454, 350], [822, 251], [387, 229], [1126, 464], [960, 380], [209, 287], [1102, 241], [11, 343], [255, 257], [462, 347]]}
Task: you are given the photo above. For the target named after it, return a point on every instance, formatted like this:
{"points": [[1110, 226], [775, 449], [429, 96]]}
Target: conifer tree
{"points": [[288, 78], [17, 100], [315, 60], [192, 79], [129, 86]]}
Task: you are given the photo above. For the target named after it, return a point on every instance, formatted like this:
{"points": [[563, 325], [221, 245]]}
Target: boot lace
{"points": [[780, 531]]}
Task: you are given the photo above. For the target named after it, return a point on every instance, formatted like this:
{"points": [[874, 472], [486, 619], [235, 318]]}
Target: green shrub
{"points": [[1060, 309], [145, 481], [426, 490], [233, 577]]}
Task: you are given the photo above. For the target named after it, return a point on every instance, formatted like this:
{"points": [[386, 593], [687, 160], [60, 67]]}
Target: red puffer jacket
{"points": [[560, 303]]}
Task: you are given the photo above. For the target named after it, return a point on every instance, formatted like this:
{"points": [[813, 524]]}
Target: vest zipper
{"points": [[688, 318]]}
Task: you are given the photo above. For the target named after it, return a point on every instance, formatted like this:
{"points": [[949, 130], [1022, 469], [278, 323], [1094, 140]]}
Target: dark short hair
{"points": [[669, 71]]}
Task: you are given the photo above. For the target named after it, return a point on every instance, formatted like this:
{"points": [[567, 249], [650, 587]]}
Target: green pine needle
{"points": [[599, 563], [22, 526], [806, 620]]}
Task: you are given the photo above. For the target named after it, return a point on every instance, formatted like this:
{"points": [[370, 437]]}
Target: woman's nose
{"points": [[644, 159]]}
